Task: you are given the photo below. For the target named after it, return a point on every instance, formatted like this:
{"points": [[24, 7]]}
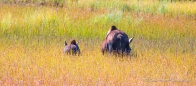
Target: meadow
{"points": [[32, 35]]}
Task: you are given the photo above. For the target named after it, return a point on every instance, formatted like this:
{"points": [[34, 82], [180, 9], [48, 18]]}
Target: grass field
{"points": [[32, 40]]}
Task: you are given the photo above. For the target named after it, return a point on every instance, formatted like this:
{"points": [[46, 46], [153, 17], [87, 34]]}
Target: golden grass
{"points": [[31, 46], [47, 65]]}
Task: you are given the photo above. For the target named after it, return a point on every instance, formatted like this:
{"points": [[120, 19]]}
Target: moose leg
{"points": [[127, 52], [122, 52], [118, 51], [123, 49], [102, 51], [74, 52], [68, 52], [110, 48]]}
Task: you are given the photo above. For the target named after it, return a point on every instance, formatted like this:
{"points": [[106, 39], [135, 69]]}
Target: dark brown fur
{"points": [[117, 40], [72, 48]]}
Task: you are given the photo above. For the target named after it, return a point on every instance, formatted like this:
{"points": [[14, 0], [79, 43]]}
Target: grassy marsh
{"points": [[32, 37]]}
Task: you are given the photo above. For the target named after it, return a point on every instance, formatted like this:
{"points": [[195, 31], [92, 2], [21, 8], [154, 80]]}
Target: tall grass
{"points": [[32, 37], [174, 8]]}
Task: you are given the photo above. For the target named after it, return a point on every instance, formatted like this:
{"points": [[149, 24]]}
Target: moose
{"points": [[72, 48], [116, 41]]}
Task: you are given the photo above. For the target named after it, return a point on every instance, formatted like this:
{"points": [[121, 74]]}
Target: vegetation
{"points": [[32, 36]]}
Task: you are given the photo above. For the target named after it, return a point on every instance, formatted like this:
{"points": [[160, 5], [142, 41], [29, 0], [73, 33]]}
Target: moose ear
{"points": [[65, 43], [131, 39]]}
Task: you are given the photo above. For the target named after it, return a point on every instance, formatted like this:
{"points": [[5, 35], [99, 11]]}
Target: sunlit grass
{"points": [[47, 65], [32, 37]]}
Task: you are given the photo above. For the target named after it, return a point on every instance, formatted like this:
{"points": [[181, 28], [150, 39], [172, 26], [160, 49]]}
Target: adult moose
{"points": [[116, 41], [72, 48]]}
